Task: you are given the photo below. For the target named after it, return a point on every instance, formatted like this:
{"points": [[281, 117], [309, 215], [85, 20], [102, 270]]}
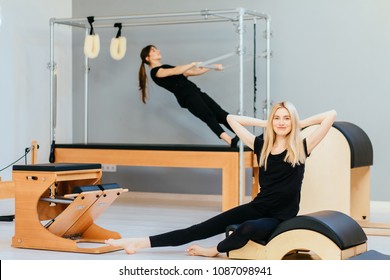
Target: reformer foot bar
{"points": [[169, 155], [56, 206]]}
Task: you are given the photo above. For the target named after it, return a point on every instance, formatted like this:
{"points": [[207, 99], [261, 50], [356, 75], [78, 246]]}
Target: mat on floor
{"points": [[371, 255]]}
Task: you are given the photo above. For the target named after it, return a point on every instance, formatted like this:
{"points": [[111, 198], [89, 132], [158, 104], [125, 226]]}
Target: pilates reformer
{"points": [[191, 156], [328, 235], [56, 206]]}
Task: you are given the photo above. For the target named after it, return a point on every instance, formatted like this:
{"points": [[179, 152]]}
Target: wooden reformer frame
{"points": [[224, 158]]}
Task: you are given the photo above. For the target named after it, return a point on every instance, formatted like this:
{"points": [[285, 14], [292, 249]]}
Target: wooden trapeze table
{"points": [[170, 155]]}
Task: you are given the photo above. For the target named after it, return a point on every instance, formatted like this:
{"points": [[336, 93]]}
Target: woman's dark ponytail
{"points": [[142, 72], [142, 82]]}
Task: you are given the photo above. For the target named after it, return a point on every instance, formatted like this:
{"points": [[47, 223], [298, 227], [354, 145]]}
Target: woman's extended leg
{"points": [[208, 228], [256, 230], [130, 245], [210, 113]]}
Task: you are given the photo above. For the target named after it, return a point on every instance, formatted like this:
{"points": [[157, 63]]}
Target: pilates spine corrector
{"points": [[56, 205], [332, 234]]}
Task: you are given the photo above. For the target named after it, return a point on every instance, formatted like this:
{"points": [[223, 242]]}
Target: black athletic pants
{"points": [[205, 108], [253, 227]]}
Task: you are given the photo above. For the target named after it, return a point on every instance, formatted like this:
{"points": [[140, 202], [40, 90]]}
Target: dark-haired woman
{"points": [[188, 95]]}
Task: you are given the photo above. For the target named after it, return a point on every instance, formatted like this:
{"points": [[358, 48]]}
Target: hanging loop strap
{"points": [[91, 42], [118, 44], [118, 25], [91, 19]]}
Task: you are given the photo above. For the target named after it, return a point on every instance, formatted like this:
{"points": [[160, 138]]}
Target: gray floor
{"points": [[140, 214]]}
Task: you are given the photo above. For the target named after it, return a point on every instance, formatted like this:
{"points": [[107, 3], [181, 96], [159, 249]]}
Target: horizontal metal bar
{"points": [[160, 23], [203, 14]]}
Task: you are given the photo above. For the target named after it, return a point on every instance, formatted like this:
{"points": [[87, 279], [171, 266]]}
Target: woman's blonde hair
{"points": [[295, 150]]}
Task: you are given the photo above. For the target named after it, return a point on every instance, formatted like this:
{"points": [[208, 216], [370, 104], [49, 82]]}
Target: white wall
{"points": [[24, 77]]}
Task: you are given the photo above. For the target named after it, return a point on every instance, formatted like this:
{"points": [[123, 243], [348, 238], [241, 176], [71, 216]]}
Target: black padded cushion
{"points": [[371, 255], [359, 143], [102, 187], [153, 147], [88, 188], [109, 186], [337, 226], [54, 167]]}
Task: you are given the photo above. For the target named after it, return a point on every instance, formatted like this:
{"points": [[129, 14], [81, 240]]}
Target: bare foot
{"points": [[130, 245], [196, 250]]}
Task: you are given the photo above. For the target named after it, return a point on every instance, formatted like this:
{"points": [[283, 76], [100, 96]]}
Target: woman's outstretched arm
{"points": [[239, 123], [177, 70], [197, 71], [187, 70]]}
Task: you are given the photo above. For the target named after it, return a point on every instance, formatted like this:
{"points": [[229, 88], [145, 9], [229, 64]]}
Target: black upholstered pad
{"points": [[359, 143], [153, 147], [371, 255], [88, 188], [109, 186], [54, 167], [339, 227]]}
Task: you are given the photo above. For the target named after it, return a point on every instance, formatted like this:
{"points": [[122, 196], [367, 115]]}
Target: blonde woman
{"points": [[281, 156]]}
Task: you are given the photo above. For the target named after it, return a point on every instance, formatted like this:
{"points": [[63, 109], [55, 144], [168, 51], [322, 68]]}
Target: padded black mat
{"points": [[371, 255], [153, 147], [54, 167]]}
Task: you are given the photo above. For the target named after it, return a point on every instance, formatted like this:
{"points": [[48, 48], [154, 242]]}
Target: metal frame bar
{"points": [[198, 16], [238, 15]]}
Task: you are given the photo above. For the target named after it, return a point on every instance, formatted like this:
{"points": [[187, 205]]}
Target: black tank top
{"points": [[280, 185], [179, 85]]}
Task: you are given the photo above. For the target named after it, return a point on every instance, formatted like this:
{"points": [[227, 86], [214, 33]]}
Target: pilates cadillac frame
{"points": [[238, 16]]}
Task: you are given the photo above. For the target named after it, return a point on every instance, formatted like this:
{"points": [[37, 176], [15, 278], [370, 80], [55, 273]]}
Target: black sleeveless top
{"points": [[179, 85], [280, 185]]}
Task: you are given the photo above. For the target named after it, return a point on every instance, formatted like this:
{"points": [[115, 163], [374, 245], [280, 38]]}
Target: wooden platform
{"points": [[185, 156]]}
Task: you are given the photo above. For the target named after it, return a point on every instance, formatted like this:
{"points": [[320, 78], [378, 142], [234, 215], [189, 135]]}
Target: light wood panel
{"points": [[227, 161]]}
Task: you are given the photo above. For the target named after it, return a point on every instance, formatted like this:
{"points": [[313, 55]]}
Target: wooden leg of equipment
{"points": [[43, 222], [7, 189]]}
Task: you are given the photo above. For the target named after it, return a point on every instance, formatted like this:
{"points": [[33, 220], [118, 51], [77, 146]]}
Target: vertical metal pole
{"points": [[51, 67], [241, 79], [268, 72], [86, 62]]}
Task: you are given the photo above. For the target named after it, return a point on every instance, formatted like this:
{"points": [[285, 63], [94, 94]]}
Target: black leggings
{"points": [[253, 227], [205, 108]]}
